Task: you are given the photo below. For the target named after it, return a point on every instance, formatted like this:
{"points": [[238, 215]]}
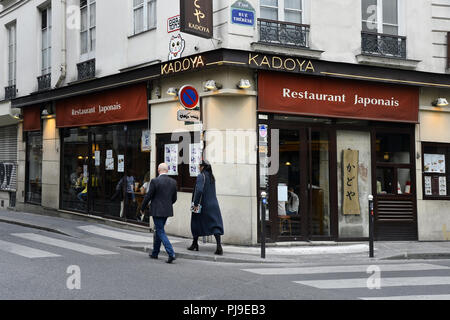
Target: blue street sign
{"points": [[243, 17]]}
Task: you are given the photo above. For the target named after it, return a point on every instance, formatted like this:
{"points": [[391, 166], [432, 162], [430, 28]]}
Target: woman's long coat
{"points": [[209, 220]]}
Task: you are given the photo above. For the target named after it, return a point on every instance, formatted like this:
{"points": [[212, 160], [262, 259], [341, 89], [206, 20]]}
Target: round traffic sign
{"points": [[188, 97]]}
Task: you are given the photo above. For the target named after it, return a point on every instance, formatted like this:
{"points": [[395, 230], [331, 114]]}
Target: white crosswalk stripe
{"points": [[63, 244], [360, 277], [344, 269], [116, 234], [124, 236], [25, 251]]}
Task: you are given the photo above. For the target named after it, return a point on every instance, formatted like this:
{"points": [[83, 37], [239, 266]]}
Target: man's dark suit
{"points": [[162, 194]]}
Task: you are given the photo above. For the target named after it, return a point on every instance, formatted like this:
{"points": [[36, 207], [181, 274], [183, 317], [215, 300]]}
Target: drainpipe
{"points": [[63, 66]]}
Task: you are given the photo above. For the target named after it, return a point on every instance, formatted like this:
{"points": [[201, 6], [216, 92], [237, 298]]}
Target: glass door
{"points": [[299, 196]]}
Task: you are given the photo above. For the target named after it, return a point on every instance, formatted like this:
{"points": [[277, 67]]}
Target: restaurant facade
{"points": [[319, 137]]}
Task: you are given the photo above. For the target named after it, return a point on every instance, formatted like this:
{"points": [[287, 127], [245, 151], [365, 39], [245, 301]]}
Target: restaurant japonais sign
{"points": [[341, 98]]}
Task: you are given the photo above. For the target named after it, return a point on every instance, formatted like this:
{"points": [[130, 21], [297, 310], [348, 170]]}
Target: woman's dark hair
{"points": [[207, 168]]}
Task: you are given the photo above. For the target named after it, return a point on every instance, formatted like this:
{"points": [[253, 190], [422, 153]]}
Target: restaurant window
{"points": [[34, 167], [96, 162], [394, 163], [182, 156], [436, 168]]}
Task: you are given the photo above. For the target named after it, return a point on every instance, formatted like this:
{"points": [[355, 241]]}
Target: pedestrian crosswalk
{"points": [[38, 246], [391, 277]]}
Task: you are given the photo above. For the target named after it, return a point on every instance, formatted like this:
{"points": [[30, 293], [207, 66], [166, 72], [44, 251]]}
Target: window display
{"points": [[436, 157]]}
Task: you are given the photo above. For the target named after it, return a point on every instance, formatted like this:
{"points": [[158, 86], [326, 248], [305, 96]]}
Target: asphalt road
{"points": [[41, 265]]}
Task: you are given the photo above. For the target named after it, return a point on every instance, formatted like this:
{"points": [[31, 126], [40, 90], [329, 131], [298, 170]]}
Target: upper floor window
{"points": [[380, 16], [12, 54], [144, 15], [282, 10], [46, 30], [87, 30]]}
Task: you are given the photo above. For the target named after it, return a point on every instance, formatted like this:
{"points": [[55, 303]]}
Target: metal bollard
{"points": [[371, 226], [263, 224]]}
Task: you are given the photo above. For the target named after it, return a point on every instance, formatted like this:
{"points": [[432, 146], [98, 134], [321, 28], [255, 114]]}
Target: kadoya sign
{"points": [[341, 98]]}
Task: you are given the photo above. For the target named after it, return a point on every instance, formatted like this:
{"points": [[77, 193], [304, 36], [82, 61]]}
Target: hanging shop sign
{"points": [[340, 98], [112, 106], [188, 97], [196, 17]]}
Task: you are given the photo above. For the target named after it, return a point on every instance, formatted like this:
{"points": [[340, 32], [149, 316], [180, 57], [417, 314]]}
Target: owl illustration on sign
{"points": [[176, 47]]}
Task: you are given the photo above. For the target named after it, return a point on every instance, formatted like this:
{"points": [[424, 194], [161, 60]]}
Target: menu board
{"points": [[171, 158], [435, 186], [434, 163]]}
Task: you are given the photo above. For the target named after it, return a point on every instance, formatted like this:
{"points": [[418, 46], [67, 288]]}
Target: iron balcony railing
{"points": [[86, 70], [283, 33], [10, 92], [44, 82], [385, 45]]}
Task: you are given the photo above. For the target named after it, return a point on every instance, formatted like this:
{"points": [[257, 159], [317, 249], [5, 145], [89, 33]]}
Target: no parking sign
{"points": [[188, 97]]}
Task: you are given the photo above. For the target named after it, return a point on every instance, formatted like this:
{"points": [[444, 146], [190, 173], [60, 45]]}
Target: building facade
{"points": [[317, 103]]}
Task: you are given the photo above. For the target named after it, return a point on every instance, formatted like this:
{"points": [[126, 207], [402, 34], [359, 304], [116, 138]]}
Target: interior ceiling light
{"points": [[244, 84], [440, 102], [212, 85]]}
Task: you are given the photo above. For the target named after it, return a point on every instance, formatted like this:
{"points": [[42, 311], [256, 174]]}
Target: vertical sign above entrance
{"points": [[196, 17]]}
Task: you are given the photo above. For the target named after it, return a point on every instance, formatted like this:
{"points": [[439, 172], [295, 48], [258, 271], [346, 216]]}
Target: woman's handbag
{"points": [[198, 209]]}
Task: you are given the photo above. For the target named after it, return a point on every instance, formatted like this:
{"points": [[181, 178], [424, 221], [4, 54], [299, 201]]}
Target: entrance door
{"points": [[300, 191]]}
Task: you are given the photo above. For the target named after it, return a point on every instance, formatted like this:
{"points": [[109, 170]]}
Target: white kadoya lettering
{"points": [[377, 102], [288, 93], [113, 107], [80, 112]]}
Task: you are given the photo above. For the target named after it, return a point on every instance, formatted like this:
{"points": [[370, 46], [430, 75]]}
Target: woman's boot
{"points": [[194, 245], [219, 250]]}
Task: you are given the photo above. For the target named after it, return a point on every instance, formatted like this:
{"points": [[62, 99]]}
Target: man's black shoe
{"points": [[153, 257], [171, 259]]}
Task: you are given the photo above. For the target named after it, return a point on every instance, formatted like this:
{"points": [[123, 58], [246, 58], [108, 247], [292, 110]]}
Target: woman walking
{"points": [[208, 220]]}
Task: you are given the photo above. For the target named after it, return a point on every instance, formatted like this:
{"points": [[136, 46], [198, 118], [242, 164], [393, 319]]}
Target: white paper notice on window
{"points": [[109, 164], [428, 190], [442, 186], [120, 163], [282, 192], [195, 157], [97, 158], [171, 158], [109, 154]]}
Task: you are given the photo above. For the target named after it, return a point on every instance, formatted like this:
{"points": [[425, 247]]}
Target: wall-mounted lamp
{"points": [[48, 111], [244, 84], [172, 92], [212, 85], [440, 102], [16, 113]]}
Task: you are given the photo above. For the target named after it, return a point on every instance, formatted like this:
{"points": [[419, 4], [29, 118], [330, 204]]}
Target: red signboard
{"points": [[112, 106], [32, 118], [321, 96]]}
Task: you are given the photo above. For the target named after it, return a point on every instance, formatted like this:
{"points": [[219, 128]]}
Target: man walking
{"points": [[162, 194]]}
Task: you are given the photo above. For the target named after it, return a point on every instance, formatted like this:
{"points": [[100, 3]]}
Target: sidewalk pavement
{"points": [[329, 252]]}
